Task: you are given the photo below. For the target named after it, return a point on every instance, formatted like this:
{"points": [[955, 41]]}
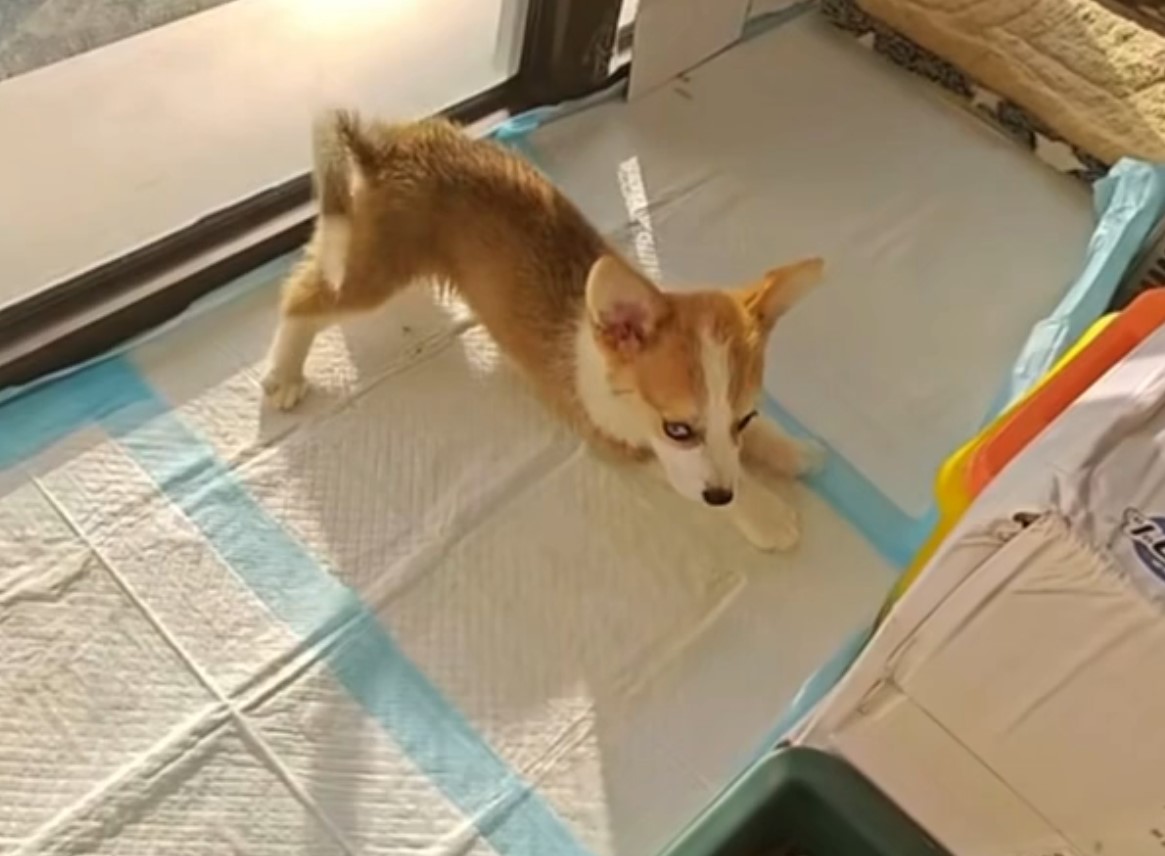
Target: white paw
{"points": [[766, 520], [778, 533], [284, 391], [809, 458]]}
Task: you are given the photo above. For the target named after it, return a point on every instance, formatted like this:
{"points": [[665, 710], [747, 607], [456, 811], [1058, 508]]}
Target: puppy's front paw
{"points": [[777, 534], [284, 391], [766, 520]]}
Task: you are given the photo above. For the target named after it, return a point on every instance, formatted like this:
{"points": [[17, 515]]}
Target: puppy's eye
{"points": [[743, 423], [681, 432]]}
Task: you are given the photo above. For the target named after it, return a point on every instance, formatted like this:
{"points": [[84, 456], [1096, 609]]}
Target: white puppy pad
{"points": [[417, 615]]}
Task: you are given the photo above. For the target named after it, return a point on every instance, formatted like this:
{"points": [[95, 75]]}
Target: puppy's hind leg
{"points": [[311, 302], [311, 295], [312, 298], [307, 297], [346, 269]]}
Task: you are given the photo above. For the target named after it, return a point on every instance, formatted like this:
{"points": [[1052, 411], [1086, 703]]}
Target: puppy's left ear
{"points": [[780, 290]]}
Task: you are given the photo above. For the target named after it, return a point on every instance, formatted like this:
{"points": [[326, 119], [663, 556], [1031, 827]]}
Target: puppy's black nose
{"points": [[717, 496]]}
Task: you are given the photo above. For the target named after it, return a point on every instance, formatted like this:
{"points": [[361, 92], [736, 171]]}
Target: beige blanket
{"points": [[1094, 72]]}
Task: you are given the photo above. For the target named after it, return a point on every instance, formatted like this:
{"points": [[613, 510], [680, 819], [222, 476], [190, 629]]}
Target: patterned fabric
{"points": [[1013, 120], [1149, 14]]}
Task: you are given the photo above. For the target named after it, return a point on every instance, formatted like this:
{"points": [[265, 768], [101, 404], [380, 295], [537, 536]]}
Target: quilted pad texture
{"points": [[1093, 71], [372, 627]]}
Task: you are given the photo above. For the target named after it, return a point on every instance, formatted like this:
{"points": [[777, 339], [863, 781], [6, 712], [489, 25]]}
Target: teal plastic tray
{"points": [[801, 802]]}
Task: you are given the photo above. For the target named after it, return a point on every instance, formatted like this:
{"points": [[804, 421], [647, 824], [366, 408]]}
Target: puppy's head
{"points": [[695, 362]]}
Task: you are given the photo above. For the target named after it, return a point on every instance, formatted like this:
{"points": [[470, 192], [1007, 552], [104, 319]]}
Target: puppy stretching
{"points": [[671, 378]]}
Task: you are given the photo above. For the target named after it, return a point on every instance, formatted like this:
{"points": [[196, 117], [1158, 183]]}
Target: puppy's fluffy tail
{"points": [[342, 153]]}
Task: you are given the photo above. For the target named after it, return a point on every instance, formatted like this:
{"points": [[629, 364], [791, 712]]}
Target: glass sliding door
{"points": [[152, 148]]}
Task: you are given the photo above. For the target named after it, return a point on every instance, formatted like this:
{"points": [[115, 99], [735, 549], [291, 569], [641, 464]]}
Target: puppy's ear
{"points": [[624, 306], [780, 289]]}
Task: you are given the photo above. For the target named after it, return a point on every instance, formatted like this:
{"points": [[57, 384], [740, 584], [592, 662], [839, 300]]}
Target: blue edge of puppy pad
{"points": [[1128, 203]]}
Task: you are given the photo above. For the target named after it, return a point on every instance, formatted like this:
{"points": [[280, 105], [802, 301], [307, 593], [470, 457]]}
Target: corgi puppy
{"points": [[667, 378]]}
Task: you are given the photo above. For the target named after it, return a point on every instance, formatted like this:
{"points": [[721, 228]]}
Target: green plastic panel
{"points": [[802, 802]]}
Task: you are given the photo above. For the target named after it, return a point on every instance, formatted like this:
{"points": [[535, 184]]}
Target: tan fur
{"points": [[440, 205], [670, 374], [423, 200]]}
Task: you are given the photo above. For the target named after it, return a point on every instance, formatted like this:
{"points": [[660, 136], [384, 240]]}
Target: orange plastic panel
{"points": [[1025, 422]]}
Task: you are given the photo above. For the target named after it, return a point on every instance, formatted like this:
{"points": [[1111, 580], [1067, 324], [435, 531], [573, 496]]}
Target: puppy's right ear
{"points": [[624, 306], [780, 290]]}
